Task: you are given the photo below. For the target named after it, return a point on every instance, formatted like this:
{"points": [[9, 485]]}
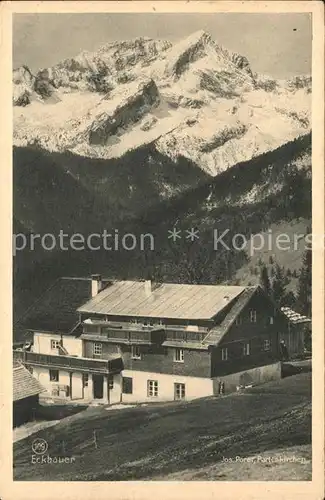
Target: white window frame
{"points": [[97, 349], [224, 353], [266, 345], [179, 391], [253, 315], [55, 344], [152, 388], [135, 352], [246, 349], [179, 355]]}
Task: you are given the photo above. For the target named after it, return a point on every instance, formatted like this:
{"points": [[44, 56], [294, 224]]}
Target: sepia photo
{"points": [[164, 241]]}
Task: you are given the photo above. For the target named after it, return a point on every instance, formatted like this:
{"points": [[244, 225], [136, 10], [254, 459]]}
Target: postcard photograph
{"points": [[162, 246]]}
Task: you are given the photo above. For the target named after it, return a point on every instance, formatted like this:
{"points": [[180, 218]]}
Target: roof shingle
{"points": [[24, 384]]}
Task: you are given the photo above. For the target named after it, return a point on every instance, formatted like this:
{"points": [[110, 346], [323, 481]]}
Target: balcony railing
{"points": [[126, 336], [70, 363]]}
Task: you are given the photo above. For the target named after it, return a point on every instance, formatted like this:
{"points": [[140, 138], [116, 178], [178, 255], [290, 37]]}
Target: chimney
{"points": [[148, 287], [96, 284]]}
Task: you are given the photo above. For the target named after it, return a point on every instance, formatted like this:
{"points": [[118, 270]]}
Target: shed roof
{"points": [[24, 384], [167, 300], [294, 317]]}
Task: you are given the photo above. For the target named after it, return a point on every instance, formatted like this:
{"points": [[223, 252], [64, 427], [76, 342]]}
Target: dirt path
{"points": [[30, 428]]}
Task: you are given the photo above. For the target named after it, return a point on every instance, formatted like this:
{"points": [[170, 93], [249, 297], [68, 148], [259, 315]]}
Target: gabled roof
{"points": [[294, 317], [56, 309], [217, 333], [166, 300], [24, 384]]}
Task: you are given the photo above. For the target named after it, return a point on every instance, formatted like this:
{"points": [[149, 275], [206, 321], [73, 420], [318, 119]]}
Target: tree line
{"points": [[275, 283]]}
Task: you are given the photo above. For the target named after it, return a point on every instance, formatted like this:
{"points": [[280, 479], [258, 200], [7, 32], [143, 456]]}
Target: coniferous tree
{"points": [[304, 284], [278, 286], [265, 281], [290, 299]]}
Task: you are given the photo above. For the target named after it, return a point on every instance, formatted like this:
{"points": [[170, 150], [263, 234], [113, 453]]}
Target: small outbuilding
{"points": [[295, 336], [26, 390]]}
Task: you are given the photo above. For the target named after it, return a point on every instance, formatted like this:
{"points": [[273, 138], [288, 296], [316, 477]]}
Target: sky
{"points": [[275, 44]]}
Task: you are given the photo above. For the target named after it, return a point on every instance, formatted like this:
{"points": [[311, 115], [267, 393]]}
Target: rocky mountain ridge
{"points": [[192, 99]]}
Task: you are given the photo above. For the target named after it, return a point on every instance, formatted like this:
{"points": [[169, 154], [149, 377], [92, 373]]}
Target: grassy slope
{"points": [[181, 440]]}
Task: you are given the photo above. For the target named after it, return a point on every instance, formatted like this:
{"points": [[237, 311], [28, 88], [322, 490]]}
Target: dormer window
{"points": [[55, 345], [253, 316]]}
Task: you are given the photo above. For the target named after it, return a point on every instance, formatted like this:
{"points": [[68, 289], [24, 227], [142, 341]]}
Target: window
{"points": [[135, 352], [85, 379], [238, 320], [55, 344], [271, 320], [110, 382], [127, 385], [179, 355], [152, 388], [266, 345], [179, 390], [97, 349], [246, 349], [253, 316], [54, 375], [224, 354]]}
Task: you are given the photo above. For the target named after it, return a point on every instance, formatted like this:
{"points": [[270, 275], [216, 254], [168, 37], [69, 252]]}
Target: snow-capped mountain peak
{"points": [[192, 99]]}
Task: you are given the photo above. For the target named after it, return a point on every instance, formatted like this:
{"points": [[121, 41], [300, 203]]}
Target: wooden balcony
{"points": [[70, 363], [126, 336]]}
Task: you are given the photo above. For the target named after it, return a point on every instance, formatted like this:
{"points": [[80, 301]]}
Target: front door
{"points": [[98, 382]]}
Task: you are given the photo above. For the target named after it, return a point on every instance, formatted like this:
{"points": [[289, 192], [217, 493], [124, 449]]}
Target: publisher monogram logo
{"points": [[41, 456], [39, 446]]}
